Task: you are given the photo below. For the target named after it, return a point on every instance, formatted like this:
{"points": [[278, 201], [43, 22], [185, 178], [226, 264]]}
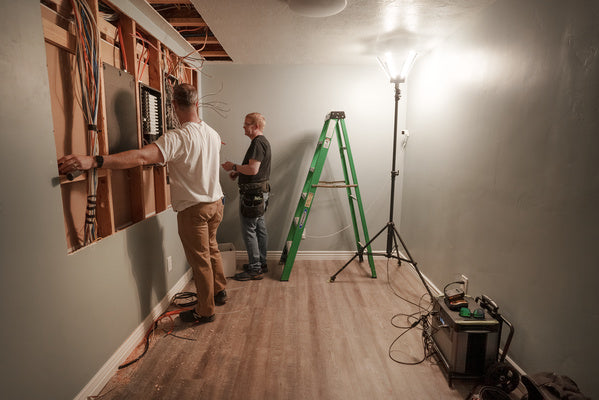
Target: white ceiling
{"points": [[268, 32]]}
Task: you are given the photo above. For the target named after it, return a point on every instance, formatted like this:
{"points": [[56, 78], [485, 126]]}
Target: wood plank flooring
{"points": [[302, 339]]}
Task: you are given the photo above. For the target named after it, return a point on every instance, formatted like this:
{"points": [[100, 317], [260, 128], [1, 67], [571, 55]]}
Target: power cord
{"points": [[180, 300], [426, 341], [422, 317]]}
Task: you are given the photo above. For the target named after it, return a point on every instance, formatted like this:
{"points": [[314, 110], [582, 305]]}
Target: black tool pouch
{"points": [[251, 199]]}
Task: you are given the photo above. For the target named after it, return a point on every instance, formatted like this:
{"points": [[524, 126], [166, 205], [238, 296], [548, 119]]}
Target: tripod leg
{"points": [[414, 263], [332, 279], [398, 255], [358, 253]]}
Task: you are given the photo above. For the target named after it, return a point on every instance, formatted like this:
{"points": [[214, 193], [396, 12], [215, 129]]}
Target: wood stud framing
{"points": [[126, 196]]}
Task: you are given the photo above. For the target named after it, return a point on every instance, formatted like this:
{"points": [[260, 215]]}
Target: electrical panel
{"points": [[151, 113]]}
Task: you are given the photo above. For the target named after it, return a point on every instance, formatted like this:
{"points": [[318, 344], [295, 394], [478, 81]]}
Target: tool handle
{"points": [[74, 174], [487, 303]]}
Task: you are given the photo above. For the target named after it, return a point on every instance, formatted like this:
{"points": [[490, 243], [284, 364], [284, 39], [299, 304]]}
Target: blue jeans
{"points": [[253, 231]]}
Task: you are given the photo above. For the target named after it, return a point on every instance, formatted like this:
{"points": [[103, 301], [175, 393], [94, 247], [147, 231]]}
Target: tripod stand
{"points": [[392, 250]]}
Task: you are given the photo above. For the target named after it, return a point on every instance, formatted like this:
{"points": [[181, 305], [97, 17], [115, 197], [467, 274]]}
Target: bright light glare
{"points": [[389, 65], [407, 66], [390, 18]]}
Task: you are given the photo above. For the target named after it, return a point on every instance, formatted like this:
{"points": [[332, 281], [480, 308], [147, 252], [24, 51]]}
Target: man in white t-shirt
{"points": [[193, 156]]}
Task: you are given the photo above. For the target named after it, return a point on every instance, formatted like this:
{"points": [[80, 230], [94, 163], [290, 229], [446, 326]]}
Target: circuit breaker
{"points": [[151, 113]]}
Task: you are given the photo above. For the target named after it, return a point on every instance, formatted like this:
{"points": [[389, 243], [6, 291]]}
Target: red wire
{"points": [[123, 47], [146, 52]]}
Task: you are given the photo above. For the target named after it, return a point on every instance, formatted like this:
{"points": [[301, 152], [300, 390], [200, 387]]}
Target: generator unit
{"points": [[466, 343]]}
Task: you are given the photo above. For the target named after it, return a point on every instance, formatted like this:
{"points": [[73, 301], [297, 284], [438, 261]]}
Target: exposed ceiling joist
{"points": [[169, 1], [214, 53], [183, 16], [201, 40], [186, 22]]}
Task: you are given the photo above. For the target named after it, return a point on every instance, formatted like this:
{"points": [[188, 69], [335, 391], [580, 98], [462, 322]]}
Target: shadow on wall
{"points": [[287, 179], [146, 253]]}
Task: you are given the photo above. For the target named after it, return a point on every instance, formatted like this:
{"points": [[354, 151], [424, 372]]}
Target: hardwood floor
{"points": [[302, 339]]}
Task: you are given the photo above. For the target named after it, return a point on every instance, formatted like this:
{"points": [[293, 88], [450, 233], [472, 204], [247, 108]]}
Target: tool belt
{"points": [[251, 199]]}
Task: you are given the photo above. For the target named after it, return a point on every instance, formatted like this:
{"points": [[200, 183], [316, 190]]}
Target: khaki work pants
{"points": [[197, 230]]}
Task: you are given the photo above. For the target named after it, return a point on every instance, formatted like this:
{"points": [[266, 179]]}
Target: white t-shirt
{"points": [[193, 156]]}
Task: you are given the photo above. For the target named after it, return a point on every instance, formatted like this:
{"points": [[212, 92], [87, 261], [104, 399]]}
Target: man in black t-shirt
{"points": [[254, 187]]}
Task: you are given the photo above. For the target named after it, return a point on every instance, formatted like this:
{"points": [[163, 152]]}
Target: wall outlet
{"points": [[464, 279], [169, 264]]}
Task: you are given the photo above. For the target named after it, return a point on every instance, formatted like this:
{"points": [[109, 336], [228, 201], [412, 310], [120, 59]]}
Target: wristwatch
{"points": [[235, 167], [99, 161]]}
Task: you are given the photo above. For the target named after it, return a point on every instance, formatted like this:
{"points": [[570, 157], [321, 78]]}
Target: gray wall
{"points": [[501, 179], [295, 101], [64, 315]]}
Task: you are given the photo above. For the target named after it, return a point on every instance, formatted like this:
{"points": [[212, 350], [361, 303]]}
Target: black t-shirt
{"points": [[259, 150]]}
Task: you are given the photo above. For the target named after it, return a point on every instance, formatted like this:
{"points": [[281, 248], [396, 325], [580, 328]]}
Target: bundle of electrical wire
{"points": [[87, 58]]}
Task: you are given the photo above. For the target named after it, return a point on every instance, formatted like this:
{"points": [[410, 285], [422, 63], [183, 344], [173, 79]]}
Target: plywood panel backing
{"points": [[69, 123], [121, 198], [110, 54], [105, 220], [74, 202], [148, 188]]}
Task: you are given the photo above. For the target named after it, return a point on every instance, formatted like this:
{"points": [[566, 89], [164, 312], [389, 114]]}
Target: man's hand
{"points": [[228, 166], [73, 162], [233, 175]]}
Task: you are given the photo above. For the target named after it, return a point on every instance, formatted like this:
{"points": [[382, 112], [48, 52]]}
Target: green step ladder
{"points": [[334, 123]]}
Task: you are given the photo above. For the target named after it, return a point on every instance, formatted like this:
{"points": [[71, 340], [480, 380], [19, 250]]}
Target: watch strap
{"points": [[99, 161]]}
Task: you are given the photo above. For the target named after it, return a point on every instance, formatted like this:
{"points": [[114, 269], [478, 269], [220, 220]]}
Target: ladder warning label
{"points": [[309, 199]]}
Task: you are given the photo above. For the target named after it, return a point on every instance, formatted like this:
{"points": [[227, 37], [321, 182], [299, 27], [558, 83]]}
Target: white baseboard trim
{"points": [[95, 385]]}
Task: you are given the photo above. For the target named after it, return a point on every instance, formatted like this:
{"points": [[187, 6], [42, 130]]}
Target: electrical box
{"points": [[467, 346], [151, 113]]}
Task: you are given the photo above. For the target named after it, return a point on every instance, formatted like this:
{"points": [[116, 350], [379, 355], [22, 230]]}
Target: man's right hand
{"points": [[227, 166], [233, 175], [72, 163]]}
